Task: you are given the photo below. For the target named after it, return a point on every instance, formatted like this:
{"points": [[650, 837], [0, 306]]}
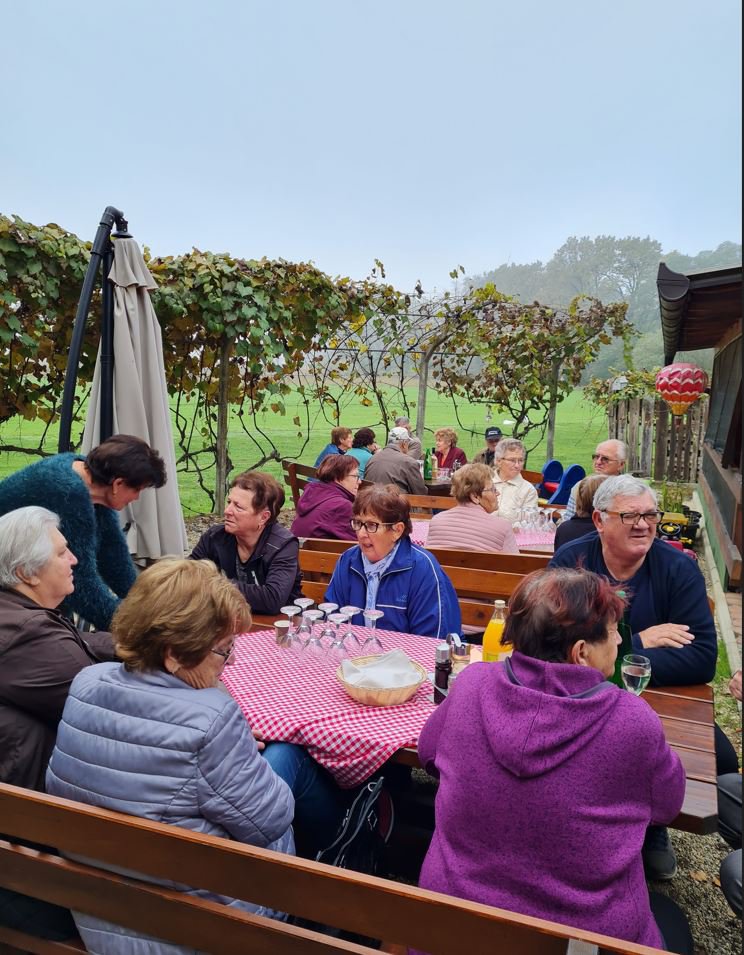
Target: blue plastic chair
{"points": [[571, 476], [552, 473]]}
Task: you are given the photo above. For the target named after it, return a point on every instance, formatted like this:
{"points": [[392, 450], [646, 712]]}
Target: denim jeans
{"points": [[319, 802]]}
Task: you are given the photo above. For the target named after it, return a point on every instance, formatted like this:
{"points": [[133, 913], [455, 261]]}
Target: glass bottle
{"points": [[434, 465], [427, 465], [442, 670], [625, 645], [493, 648]]}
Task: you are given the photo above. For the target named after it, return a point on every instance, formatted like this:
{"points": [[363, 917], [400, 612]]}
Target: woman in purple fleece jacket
{"points": [[549, 775], [325, 508]]}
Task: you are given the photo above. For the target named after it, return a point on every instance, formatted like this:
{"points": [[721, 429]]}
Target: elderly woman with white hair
{"points": [[40, 654], [40, 649], [514, 492]]}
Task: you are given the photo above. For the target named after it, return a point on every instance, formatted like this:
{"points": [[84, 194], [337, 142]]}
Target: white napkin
{"points": [[383, 673]]}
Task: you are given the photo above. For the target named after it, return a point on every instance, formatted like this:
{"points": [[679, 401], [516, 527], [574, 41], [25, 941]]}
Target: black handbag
{"points": [[366, 828]]}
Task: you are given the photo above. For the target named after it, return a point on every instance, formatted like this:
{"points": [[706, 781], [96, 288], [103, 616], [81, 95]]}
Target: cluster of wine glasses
{"points": [[536, 520], [325, 634]]}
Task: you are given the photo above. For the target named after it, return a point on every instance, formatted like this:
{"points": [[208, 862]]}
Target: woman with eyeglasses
{"points": [[514, 492], [472, 524], [325, 508], [156, 737], [387, 572]]}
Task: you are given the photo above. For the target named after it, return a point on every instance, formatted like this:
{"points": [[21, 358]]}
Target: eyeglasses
{"points": [[632, 517], [519, 461], [225, 654], [371, 527], [603, 459]]}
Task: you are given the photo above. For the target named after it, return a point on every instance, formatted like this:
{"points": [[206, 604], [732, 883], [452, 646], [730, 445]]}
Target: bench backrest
{"points": [[510, 563], [358, 903], [423, 505], [296, 476]]}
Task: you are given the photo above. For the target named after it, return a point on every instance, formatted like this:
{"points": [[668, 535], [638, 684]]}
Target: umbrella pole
{"points": [[107, 349], [101, 243]]}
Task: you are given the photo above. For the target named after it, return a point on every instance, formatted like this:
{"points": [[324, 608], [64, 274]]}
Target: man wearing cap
{"points": [[414, 445], [493, 436], [393, 465], [609, 458]]}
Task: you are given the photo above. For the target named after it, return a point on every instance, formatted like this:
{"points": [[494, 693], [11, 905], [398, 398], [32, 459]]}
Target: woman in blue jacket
{"points": [[156, 737], [386, 572]]}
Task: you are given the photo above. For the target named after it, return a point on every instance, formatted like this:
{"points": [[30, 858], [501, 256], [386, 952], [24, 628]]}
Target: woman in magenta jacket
{"points": [[550, 775], [325, 508]]}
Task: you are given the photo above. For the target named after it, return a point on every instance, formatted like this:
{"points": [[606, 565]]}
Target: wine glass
{"points": [[304, 602], [290, 612], [351, 640], [337, 650], [636, 672], [372, 643], [327, 608], [314, 645]]}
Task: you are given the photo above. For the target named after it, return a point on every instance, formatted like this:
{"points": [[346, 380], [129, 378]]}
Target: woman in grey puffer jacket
{"points": [[156, 737]]}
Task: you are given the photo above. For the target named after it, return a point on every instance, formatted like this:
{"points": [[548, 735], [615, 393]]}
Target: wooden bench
{"points": [[369, 906], [423, 505], [296, 477], [479, 560]]}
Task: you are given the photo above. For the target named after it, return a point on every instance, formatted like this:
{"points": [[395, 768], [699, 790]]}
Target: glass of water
{"points": [[636, 672]]}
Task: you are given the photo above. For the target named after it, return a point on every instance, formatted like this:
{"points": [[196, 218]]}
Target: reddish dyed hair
{"points": [[336, 467], [551, 610], [386, 503]]}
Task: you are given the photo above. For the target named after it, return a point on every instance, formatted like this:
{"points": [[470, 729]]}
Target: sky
{"points": [[422, 133]]}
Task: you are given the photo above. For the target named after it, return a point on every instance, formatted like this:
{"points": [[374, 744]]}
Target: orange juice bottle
{"points": [[493, 648]]}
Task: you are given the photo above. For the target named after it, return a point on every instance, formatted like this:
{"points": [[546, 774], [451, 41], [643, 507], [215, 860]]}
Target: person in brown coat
{"points": [[41, 651]]}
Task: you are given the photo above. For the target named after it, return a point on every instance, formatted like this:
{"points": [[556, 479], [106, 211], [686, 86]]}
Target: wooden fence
{"points": [[661, 446]]}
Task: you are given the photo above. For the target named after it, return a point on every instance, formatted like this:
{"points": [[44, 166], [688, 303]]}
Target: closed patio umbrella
{"points": [[140, 401]]}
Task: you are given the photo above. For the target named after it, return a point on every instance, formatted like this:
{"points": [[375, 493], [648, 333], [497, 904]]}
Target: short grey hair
{"points": [[621, 448], [25, 543], [506, 445], [403, 421], [623, 485]]}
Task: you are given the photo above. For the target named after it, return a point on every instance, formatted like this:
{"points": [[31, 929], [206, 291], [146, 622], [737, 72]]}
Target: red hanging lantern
{"points": [[680, 385]]}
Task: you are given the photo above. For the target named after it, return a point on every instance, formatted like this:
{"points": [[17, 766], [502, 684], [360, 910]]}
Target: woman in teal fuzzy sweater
{"points": [[85, 493]]}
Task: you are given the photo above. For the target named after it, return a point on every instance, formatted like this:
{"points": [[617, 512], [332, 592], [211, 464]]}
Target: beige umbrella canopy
{"points": [[140, 402]]}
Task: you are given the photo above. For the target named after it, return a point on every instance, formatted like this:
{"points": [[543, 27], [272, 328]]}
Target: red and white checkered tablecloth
{"points": [[420, 532], [300, 701]]}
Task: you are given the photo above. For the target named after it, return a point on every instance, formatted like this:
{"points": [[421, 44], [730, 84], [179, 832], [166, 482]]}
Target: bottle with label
{"points": [[427, 465], [442, 670], [434, 465], [493, 648], [625, 645]]}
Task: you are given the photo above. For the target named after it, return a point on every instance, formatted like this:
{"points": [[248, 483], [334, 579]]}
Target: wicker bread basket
{"points": [[375, 696]]}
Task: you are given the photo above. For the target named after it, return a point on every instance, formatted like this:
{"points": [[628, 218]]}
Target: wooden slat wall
{"points": [[661, 445]]}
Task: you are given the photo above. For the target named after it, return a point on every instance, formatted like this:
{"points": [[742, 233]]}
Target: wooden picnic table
{"points": [[687, 715]]}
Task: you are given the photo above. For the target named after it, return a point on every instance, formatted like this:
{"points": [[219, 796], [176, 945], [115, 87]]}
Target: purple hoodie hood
{"points": [[318, 493], [543, 719]]}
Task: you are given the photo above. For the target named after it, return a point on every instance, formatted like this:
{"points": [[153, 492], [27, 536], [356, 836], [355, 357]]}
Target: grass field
{"points": [[579, 426]]}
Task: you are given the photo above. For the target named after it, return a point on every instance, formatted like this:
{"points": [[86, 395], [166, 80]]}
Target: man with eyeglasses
{"points": [[668, 609], [609, 458]]}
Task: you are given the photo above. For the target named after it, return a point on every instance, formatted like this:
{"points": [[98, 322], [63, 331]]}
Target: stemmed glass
{"points": [[289, 612], [314, 645], [329, 633], [337, 650], [636, 672], [304, 602], [372, 644], [351, 640]]}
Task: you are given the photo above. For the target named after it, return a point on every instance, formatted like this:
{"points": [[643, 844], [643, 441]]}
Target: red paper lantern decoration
{"points": [[680, 385]]}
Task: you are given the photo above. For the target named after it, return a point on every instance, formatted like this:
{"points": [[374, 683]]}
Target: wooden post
{"points": [[634, 413], [551, 411], [660, 452], [647, 436]]}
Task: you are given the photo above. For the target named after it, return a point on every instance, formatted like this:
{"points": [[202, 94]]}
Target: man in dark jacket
{"points": [[392, 465], [668, 609]]}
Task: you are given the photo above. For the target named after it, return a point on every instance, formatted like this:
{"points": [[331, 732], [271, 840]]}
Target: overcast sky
{"points": [[426, 134]]}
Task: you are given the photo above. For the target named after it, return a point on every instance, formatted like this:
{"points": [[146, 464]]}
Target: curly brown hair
{"points": [[185, 606], [469, 480]]}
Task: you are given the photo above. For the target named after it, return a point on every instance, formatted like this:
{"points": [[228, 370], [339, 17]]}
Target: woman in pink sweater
{"points": [[471, 524]]}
